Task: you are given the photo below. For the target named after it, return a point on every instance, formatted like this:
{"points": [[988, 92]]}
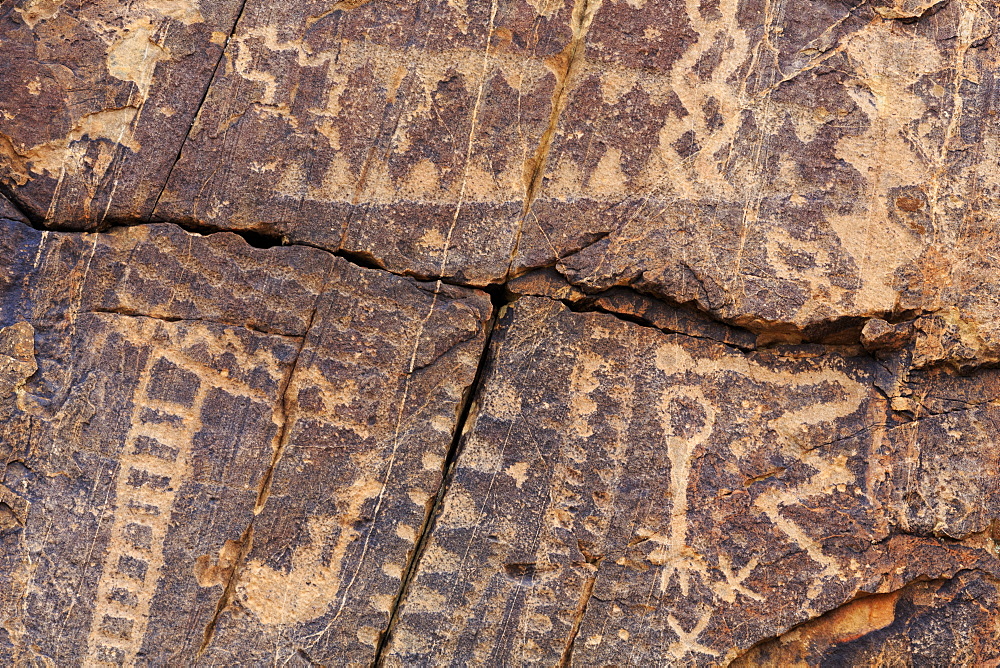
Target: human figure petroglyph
{"points": [[684, 434]]}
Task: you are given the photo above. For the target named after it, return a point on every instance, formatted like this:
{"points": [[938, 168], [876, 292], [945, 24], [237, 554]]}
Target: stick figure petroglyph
{"points": [[687, 419]]}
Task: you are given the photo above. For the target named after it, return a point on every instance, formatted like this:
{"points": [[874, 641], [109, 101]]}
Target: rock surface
{"points": [[201, 409], [562, 332]]}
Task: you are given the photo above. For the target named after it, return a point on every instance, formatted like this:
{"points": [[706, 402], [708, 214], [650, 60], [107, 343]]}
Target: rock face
{"points": [[562, 332]]}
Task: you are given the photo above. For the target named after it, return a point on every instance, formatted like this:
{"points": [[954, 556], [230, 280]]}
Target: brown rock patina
{"points": [[568, 332]]}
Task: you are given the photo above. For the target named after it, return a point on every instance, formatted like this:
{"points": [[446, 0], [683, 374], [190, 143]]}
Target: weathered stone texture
{"points": [[935, 623], [99, 97], [499, 332], [659, 497], [188, 391], [795, 168]]}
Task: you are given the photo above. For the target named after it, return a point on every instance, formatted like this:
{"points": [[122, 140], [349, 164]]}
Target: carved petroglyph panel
{"points": [[787, 166], [186, 421], [371, 409], [747, 392], [637, 496], [133, 445], [793, 170], [352, 134], [169, 456], [252, 437]]}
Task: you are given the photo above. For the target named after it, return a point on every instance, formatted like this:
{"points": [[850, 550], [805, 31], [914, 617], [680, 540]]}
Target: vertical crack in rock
{"points": [[565, 65], [281, 440], [283, 434], [465, 411], [194, 118]]}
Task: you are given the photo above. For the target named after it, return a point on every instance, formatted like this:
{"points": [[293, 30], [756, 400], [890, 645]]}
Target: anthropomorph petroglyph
{"points": [[720, 443], [555, 332]]}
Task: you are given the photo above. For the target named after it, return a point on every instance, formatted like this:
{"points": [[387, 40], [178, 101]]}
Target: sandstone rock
{"points": [[880, 336], [626, 496], [204, 417], [590, 332], [99, 98], [943, 623], [790, 175]]}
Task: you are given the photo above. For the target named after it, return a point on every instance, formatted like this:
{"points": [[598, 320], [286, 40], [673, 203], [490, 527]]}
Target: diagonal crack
{"points": [[593, 241], [594, 565], [281, 440], [246, 542], [7, 196], [201, 103], [579, 307], [569, 60], [468, 401]]}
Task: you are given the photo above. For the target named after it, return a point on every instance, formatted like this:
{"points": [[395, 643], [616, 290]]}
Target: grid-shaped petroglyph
{"points": [[155, 461]]}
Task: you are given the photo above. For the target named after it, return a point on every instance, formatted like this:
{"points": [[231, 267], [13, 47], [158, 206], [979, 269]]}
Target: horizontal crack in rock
{"points": [[738, 337], [128, 313]]}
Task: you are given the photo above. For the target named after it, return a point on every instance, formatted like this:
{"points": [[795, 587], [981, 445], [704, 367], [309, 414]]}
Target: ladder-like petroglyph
{"points": [[154, 464], [739, 258]]}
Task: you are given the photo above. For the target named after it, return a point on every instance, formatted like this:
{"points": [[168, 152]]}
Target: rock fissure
{"points": [[228, 590], [128, 313], [200, 105], [762, 336], [597, 238], [922, 10], [281, 442], [578, 307], [594, 564], [461, 428], [9, 198], [565, 67]]}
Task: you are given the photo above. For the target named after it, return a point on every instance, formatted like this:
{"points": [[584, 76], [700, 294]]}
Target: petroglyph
{"points": [[312, 583], [208, 412], [154, 464], [682, 441], [591, 332], [697, 416]]}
